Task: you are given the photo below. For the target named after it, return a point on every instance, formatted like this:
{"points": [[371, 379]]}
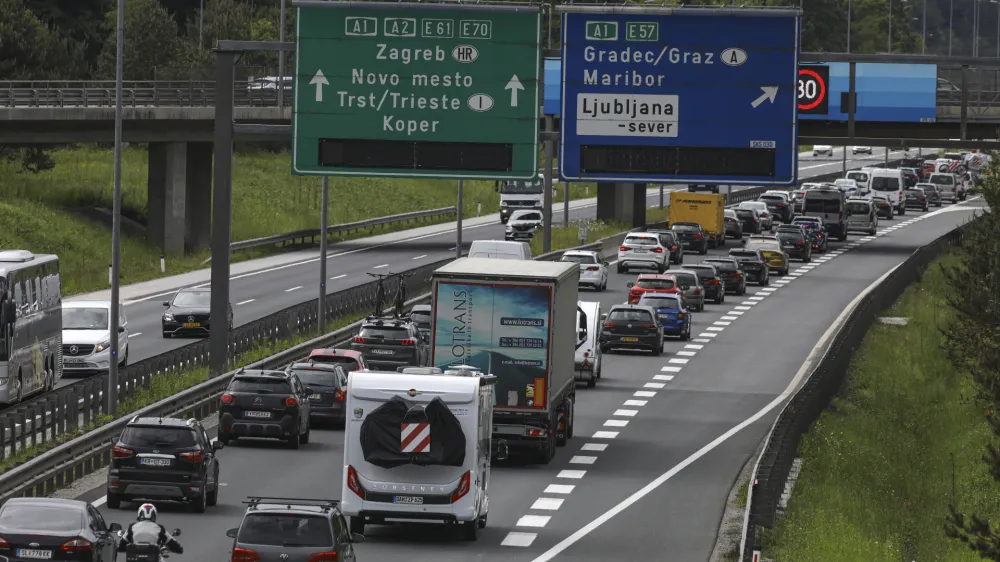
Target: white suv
{"points": [[643, 249]]}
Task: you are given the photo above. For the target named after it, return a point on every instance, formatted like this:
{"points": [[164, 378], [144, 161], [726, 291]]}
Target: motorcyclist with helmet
{"points": [[145, 537]]}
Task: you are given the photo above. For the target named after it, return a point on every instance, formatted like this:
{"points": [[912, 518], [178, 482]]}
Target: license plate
{"points": [[664, 316], [155, 462], [639, 250], [251, 414], [34, 553], [383, 351], [686, 243], [630, 339], [314, 396], [72, 360], [192, 324], [407, 499]]}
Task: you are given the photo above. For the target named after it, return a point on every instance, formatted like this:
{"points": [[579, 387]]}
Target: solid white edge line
{"points": [[816, 352]]}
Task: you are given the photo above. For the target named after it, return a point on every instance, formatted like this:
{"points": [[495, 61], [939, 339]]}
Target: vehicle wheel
{"points": [[658, 350], [482, 521], [686, 335], [114, 501], [20, 389], [704, 250], [719, 297], [294, 441], [604, 349], [166, 335], [661, 267], [470, 530], [224, 439], [213, 496], [200, 504], [785, 271], [357, 525], [765, 280], [807, 259], [305, 436], [592, 382], [621, 268], [572, 418]]}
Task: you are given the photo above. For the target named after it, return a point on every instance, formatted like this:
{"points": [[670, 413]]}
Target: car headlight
{"points": [[102, 346], [509, 229], [168, 317]]}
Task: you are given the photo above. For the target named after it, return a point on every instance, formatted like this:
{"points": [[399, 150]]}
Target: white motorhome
{"points": [[588, 355], [500, 249], [860, 177], [889, 183], [517, 195], [417, 446]]}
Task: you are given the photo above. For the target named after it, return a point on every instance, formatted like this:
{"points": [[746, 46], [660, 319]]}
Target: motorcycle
{"points": [[144, 552]]}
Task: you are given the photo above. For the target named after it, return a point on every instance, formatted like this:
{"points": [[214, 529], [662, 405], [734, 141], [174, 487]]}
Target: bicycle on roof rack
{"points": [[379, 290], [399, 303]]}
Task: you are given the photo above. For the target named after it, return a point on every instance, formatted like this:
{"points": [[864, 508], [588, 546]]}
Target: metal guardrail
{"points": [[301, 236], [823, 383]]}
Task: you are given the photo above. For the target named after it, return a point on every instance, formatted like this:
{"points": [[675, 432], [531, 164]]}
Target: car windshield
{"points": [[686, 279], [744, 213], [289, 530], [655, 284], [656, 301], [724, 265], [527, 217], [421, 318], [857, 208], [260, 385], [743, 254], [521, 187], [942, 180], [763, 246], [858, 177], [348, 363], [318, 377], [789, 236], [384, 333], [687, 227], [772, 198], [40, 518], [702, 272], [193, 298], [629, 315], [640, 240], [885, 184], [85, 318], [162, 436], [754, 205], [579, 258], [822, 204], [927, 187]]}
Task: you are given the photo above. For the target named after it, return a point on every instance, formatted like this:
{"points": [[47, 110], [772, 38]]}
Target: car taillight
{"points": [[4, 543], [800, 243], [658, 250], [819, 236], [713, 281], [79, 544], [245, 555], [193, 456], [623, 249], [782, 205], [291, 401], [649, 326], [227, 398], [593, 268], [406, 342], [681, 316], [122, 452], [734, 274], [463, 487], [353, 483], [673, 248], [610, 324], [697, 237], [323, 557], [753, 220], [359, 340], [697, 290]]}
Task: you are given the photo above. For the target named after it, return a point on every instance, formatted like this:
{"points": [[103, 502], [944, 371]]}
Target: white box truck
{"points": [[417, 446], [513, 319]]}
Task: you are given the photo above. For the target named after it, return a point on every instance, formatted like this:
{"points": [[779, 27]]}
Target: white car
{"points": [[824, 149], [643, 249], [766, 218], [86, 337], [522, 225], [593, 270], [861, 150]]}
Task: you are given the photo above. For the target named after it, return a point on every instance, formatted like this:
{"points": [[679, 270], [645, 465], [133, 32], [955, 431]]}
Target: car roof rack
{"points": [[254, 501]]}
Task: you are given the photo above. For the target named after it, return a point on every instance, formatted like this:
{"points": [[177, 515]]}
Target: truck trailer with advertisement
{"points": [[514, 320], [706, 209]]}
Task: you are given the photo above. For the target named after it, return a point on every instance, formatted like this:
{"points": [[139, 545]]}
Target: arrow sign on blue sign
{"points": [[684, 95]]}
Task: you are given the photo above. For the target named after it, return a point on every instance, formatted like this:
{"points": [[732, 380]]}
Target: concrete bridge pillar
{"points": [[622, 202], [180, 196]]}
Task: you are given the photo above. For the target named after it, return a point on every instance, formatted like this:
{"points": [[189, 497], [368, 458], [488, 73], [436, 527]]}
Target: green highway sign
{"points": [[417, 90]]}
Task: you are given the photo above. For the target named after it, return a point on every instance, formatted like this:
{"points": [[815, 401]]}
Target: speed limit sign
{"points": [[813, 89]]}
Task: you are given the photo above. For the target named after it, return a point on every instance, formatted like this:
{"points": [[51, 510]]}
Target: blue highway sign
{"points": [[688, 95]]}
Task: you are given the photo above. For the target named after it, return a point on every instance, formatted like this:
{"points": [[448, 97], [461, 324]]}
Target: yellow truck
{"points": [[705, 209]]}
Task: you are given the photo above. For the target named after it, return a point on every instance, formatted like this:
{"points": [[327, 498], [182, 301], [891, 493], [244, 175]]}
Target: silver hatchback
{"points": [[692, 290], [593, 270], [862, 216]]}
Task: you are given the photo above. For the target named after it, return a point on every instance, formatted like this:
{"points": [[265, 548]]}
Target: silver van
{"points": [[500, 249], [588, 355], [862, 216], [947, 185]]}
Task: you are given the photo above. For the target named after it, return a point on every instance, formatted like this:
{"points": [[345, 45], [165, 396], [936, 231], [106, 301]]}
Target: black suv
{"points": [[668, 239], [631, 326], [326, 384], [261, 403], [188, 314], [754, 263], [691, 235], [731, 273], [294, 530], [164, 459], [389, 343]]}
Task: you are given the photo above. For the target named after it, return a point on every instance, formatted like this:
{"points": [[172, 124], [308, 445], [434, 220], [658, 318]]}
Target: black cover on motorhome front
{"points": [[381, 434]]}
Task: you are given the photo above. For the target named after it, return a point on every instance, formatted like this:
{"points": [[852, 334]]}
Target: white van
{"points": [[500, 249], [889, 183], [588, 355], [860, 177], [947, 185], [417, 446]]}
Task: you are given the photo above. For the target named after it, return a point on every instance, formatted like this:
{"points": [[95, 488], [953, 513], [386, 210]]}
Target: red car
{"points": [[652, 283], [349, 359]]}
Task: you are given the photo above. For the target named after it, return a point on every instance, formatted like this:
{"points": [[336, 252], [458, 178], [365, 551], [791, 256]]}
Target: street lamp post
{"points": [[201, 23], [111, 392], [951, 21], [281, 58], [923, 33], [849, 26], [889, 40]]}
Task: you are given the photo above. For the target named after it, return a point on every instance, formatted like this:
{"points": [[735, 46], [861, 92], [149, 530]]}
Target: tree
{"points": [[973, 345], [150, 40], [79, 20], [30, 50]]}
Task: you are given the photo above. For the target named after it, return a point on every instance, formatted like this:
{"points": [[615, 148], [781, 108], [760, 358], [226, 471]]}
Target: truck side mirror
{"points": [[604, 317]]}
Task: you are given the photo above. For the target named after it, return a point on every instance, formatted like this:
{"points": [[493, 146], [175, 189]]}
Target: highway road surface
{"points": [[258, 293], [658, 443]]}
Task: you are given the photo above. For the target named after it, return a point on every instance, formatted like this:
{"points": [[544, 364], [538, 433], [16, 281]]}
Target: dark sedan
{"points": [[814, 227], [883, 208], [631, 326], [932, 193], [734, 228], [796, 244], [754, 263], [711, 280], [916, 199], [56, 529], [669, 241], [326, 385], [750, 219], [691, 236], [731, 273], [188, 313]]}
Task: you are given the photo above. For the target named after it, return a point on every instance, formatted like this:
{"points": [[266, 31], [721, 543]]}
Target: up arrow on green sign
{"points": [[417, 90]]}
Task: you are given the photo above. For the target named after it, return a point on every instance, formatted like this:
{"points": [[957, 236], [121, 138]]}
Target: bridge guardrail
{"points": [[827, 377]]}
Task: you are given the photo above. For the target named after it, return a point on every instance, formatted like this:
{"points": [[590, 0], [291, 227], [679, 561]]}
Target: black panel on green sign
{"points": [[679, 160], [417, 90]]}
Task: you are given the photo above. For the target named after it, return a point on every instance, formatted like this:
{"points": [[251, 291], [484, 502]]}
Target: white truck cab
{"points": [[517, 194], [889, 183]]}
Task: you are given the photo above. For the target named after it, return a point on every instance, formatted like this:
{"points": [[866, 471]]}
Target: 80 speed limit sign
{"points": [[813, 89]]}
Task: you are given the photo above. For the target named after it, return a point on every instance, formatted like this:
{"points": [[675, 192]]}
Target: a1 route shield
{"points": [[416, 90], [684, 95]]}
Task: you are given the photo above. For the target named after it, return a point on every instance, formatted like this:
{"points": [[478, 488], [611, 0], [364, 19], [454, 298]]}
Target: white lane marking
{"points": [[723, 323], [701, 340], [341, 276], [547, 504], [559, 489], [694, 346], [795, 275], [756, 299], [293, 289], [714, 329], [626, 413], [663, 377], [707, 335], [581, 459], [604, 435], [748, 303], [686, 353], [421, 256], [657, 385], [769, 290], [670, 369], [729, 318], [571, 474], [380, 266], [130, 336], [635, 403], [741, 308], [783, 281], [533, 521], [679, 361], [659, 481], [248, 301], [519, 539], [643, 394], [599, 447], [616, 423], [738, 313]]}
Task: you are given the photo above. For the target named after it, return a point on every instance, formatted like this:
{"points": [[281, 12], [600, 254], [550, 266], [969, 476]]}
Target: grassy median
{"points": [[882, 464], [569, 236]]}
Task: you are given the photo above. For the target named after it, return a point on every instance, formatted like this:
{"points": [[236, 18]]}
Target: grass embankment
{"points": [[569, 236], [267, 200], [164, 386], [805, 147], [879, 466]]}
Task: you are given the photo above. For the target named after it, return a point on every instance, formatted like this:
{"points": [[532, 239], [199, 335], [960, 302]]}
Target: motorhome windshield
{"points": [[819, 204], [885, 184], [521, 187]]}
